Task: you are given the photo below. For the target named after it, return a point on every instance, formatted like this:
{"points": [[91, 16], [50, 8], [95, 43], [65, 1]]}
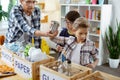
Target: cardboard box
{"points": [[7, 56], [98, 75], [24, 68], [46, 73], [14, 77], [29, 70]]}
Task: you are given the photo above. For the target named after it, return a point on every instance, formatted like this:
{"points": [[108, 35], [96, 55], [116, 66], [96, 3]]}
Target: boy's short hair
{"points": [[72, 15], [81, 22]]}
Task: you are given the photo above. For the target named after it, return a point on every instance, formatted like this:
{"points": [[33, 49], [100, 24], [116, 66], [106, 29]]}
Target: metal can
{"points": [[54, 26]]}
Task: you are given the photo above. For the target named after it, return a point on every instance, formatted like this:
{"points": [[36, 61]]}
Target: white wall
{"points": [[115, 16], [115, 12], [4, 4], [52, 15]]}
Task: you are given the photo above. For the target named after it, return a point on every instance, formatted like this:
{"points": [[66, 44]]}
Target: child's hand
{"points": [[59, 48], [91, 65]]}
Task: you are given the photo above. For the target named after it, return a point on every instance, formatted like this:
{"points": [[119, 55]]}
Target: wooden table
{"points": [[15, 77]]}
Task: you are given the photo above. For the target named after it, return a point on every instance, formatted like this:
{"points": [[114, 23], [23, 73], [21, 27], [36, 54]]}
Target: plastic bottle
{"points": [[60, 67], [68, 67]]}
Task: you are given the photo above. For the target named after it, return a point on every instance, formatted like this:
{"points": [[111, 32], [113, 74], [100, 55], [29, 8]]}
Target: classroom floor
{"points": [[104, 68], [107, 69]]}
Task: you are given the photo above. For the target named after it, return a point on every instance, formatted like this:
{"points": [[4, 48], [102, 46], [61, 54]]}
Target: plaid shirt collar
{"points": [[70, 46]]}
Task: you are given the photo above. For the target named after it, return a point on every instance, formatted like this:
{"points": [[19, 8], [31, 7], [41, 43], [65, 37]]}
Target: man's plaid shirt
{"points": [[19, 25]]}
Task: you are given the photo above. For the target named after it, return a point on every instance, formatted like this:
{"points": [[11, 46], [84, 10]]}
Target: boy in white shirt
{"points": [[78, 48]]}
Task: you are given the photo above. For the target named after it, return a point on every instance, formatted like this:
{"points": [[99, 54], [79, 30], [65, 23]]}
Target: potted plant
{"points": [[113, 45], [98, 30], [3, 17], [3, 14]]}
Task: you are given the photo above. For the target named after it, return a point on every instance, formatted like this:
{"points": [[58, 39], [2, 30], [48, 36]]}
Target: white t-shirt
{"points": [[28, 20], [75, 55], [24, 37]]}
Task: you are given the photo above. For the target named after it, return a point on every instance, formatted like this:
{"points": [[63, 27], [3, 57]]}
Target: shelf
{"points": [[93, 34], [94, 20], [63, 17], [91, 20], [95, 5], [69, 4]]}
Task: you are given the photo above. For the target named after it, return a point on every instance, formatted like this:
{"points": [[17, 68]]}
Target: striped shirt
{"points": [[88, 52], [18, 25]]}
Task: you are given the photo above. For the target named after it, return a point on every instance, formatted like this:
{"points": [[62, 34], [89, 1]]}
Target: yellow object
{"points": [[45, 20], [70, 32], [41, 5], [32, 41], [45, 47]]}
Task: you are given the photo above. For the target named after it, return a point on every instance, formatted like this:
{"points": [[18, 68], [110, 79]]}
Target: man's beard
{"points": [[29, 12]]}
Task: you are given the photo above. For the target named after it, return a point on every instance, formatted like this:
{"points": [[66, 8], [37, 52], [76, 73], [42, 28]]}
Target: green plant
{"points": [[113, 41], [98, 28], [3, 14], [0, 12]]}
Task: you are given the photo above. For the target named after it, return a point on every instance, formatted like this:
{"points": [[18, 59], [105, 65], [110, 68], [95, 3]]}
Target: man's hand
{"points": [[52, 35]]}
